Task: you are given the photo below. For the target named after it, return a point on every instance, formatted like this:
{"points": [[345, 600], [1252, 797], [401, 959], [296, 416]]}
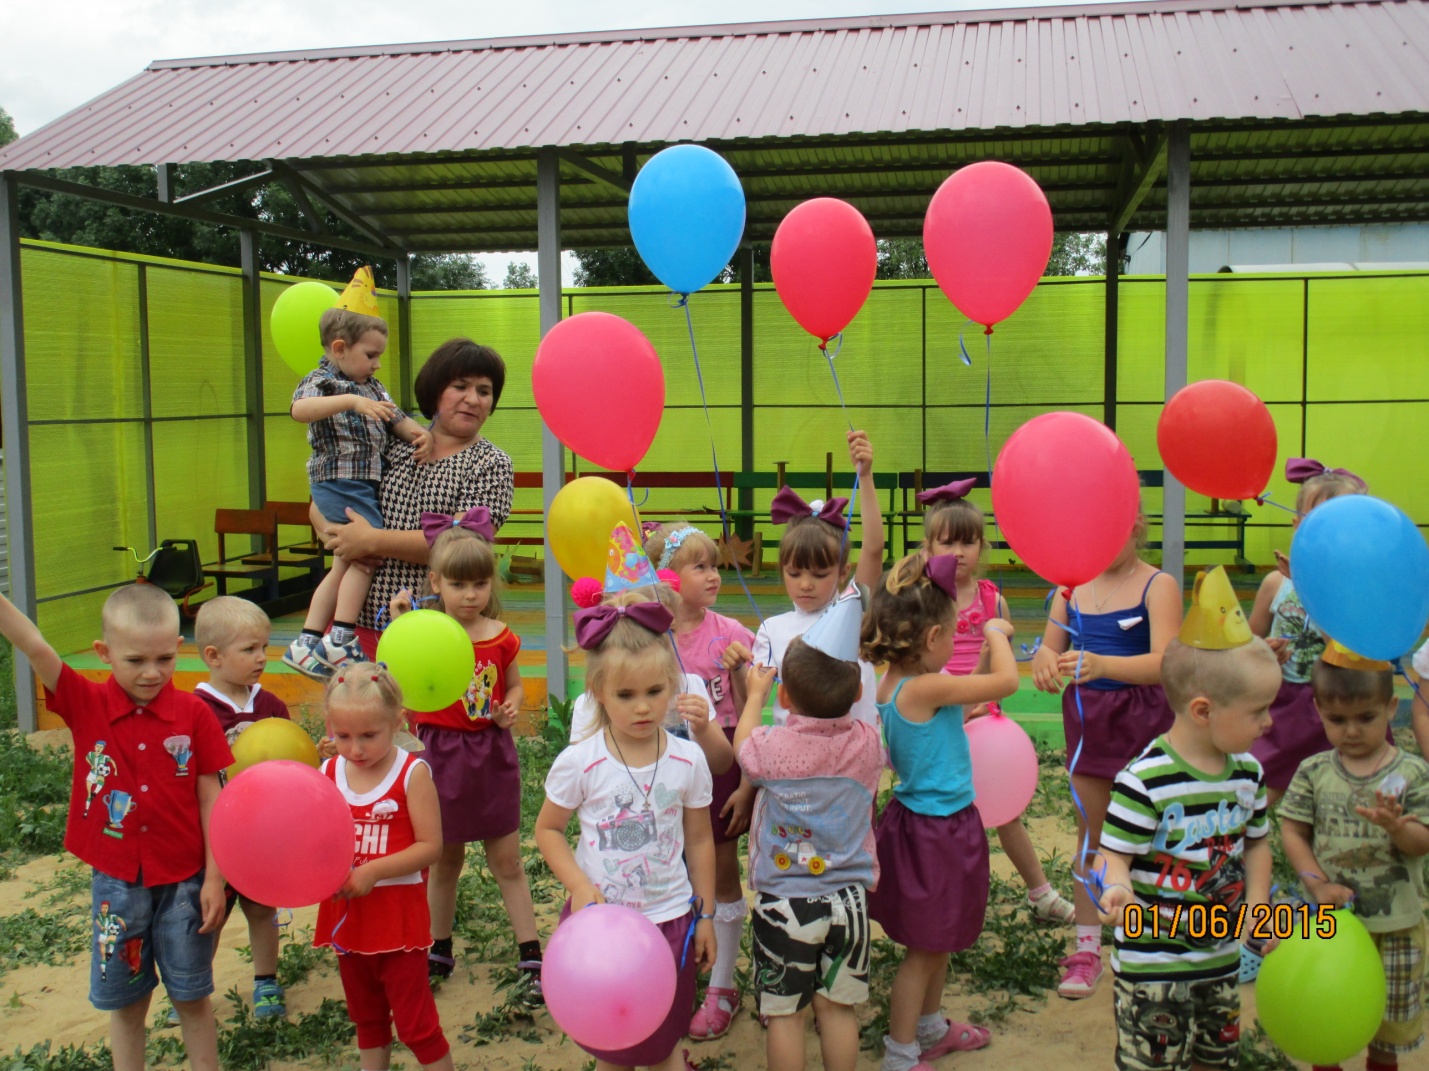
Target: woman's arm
{"points": [[426, 827], [357, 540], [551, 826], [870, 514], [1163, 605]]}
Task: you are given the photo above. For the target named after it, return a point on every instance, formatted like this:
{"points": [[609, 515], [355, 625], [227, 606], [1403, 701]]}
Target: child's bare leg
{"points": [[262, 936], [444, 1064], [503, 859], [1017, 844], [324, 602], [375, 1059], [785, 1042], [200, 1031], [727, 886], [126, 1035], [838, 1034], [937, 980], [605, 1065], [1095, 794], [441, 890], [909, 993], [351, 592]]}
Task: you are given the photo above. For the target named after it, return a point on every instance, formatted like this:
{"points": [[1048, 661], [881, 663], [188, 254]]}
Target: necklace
{"points": [[644, 793], [1099, 603]]}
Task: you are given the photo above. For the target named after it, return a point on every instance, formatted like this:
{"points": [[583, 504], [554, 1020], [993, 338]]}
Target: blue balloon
{"points": [[1361, 569], [686, 216]]}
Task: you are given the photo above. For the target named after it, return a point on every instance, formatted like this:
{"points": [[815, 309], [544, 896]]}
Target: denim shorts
{"points": [[334, 497], [142, 935]]}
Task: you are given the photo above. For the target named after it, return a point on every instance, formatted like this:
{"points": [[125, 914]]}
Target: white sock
{"points": [[1089, 939], [898, 1057], [931, 1029], [729, 928]]}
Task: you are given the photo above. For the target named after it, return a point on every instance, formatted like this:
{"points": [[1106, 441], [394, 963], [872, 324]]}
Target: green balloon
{"points": [[294, 323], [431, 657], [1321, 999]]}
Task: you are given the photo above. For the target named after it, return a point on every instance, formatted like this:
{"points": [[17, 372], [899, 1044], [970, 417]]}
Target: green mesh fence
{"points": [[1339, 360]]}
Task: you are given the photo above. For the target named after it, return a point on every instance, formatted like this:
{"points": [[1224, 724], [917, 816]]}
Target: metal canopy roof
{"points": [[1311, 112]]}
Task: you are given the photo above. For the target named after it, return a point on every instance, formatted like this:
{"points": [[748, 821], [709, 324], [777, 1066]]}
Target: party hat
{"points": [[1215, 621], [1337, 654], [359, 296], [836, 632], [626, 565]]}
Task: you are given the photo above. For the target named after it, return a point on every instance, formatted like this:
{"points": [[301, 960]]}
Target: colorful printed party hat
{"points": [[836, 632], [1215, 621], [359, 295], [1337, 654], [626, 565]]}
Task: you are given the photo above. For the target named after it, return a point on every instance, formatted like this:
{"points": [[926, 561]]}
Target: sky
{"points": [[63, 53]]}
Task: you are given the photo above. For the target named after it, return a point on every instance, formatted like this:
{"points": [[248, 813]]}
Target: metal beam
{"points": [[404, 332], [604, 175], [553, 454], [300, 198], [1143, 164], [1115, 251], [746, 383], [164, 173], [1178, 303], [253, 368], [258, 178], [353, 219], [15, 420]]}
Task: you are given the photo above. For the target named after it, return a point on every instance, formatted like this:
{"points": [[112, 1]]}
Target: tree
{"points": [[7, 128], [902, 258], [1077, 253], [448, 271], [621, 266], [519, 276]]}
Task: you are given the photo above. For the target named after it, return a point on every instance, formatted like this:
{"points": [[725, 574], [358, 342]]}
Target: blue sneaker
{"points": [[268, 1001], [337, 655], [307, 660]]}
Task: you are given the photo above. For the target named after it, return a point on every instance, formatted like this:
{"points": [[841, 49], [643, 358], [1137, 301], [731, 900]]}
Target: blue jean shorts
{"points": [[142, 935], [334, 497]]}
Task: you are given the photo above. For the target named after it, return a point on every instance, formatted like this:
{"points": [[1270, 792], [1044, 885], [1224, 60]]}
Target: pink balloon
{"points": [[823, 261], [282, 834], [1004, 768], [1066, 494], [600, 388], [608, 977], [988, 235]]}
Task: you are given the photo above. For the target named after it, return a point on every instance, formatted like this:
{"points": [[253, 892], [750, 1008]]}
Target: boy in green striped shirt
{"points": [[1187, 861]]}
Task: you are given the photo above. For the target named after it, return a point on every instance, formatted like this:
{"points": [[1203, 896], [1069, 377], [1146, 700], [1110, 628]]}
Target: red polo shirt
{"points": [[153, 754]]}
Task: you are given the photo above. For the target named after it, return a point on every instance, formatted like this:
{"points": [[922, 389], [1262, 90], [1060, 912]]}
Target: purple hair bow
{"points": [[788, 506], [594, 625], [1300, 469], [476, 520], [942, 570], [949, 492]]}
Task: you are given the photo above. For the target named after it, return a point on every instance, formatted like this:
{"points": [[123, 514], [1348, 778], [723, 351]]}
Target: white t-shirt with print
{"points": [[583, 713], [635, 856], [773, 640]]}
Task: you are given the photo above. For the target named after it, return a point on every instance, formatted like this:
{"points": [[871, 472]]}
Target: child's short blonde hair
{"points": [[460, 554], [365, 684], [348, 326], [905, 607], [630, 647], [1189, 673], [225, 619], [676, 545], [1320, 489], [140, 606]]}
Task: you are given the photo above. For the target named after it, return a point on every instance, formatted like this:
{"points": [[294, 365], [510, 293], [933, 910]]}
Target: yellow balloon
{"points": [[272, 738], [580, 521]]}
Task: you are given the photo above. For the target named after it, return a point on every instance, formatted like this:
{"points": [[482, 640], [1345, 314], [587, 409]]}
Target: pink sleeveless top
{"points": [[968, 639]]}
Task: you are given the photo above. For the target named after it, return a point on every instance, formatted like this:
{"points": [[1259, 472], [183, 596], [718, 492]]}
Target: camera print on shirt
{"points": [[642, 851]]}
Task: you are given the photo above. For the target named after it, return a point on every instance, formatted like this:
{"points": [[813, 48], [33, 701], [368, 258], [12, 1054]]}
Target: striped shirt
{"points": [[1184, 831], [346, 445]]}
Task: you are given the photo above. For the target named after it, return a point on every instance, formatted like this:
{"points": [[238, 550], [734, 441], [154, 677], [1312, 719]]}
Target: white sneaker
{"points": [[307, 660], [337, 655]]}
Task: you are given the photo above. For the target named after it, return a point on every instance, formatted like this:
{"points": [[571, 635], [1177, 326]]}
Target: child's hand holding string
{"points": [[585, 897], [400, 604], [359, 883], [695, 709], [704, 945], [860, 453], [1091, 666], [760, 682], [1281, 646], [1046, 670], [735, 655], [1114, 901]]}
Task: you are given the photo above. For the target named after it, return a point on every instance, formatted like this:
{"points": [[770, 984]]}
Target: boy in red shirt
{"points": [[147, 758]]}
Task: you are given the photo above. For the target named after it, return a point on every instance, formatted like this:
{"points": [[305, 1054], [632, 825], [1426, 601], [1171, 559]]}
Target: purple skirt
{"points": [[1115, 726], [659, 1045], [932, 878], [478, 781], [1295, 734], [724, 786]]}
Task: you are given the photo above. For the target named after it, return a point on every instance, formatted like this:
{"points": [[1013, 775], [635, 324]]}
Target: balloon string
{"points": [[1266, 500], [853, 493], [382, 610], [630, 495], [697, 907], [1093, 879]]}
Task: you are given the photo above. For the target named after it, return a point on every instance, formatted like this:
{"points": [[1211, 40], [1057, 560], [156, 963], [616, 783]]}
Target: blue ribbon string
{"points": [[1266, 500], [698, 906], [853, 493], [1093, 879], [417, 602]]}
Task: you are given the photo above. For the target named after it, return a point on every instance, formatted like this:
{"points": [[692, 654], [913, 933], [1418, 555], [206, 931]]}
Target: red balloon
{"points": [[1218, 439], [282, 834], [823, 261], [1066, 494], [987, 235], [600, 388]]}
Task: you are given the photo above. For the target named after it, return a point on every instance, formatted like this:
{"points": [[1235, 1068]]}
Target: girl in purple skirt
{"points": [[1123, 621], [932, 852], [1296, 731]]}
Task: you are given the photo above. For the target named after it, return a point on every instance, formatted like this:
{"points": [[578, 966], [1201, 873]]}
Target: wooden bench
{"points": [[262, 523], [307, 554]]}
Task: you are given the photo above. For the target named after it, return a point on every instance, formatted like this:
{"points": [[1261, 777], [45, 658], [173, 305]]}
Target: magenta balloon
{"points": [[600, 388], [608, 977], [1004, 768], [282, 834], [1066, 494], [988, 235], [823, 262]]}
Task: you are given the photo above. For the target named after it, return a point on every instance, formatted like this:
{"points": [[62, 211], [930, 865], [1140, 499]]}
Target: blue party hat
{"points": [[626, 565], [836, 632]]}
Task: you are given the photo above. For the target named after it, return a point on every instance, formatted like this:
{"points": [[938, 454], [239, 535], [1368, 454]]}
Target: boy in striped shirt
{"points": [[1185, 846]]}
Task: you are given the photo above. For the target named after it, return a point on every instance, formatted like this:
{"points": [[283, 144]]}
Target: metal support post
{"points": [[1178, 300], [253, 368], [746, 384], [553, 455]]}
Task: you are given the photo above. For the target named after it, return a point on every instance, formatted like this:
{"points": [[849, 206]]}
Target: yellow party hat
{"points": [[1337, 654], [359, 296], [1215, 621]]}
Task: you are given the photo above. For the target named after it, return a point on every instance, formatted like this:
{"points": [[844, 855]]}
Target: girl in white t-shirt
{"points": [[642, 797]]}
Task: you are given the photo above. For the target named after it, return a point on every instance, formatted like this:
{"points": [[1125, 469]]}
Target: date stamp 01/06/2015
{"points": [[1217, 922]]}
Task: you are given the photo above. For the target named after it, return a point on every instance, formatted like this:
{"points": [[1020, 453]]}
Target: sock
{"points": [[898, 1057], [343, 632], [729, 928], [931, 1029], [528, 951], [441, 946], [309, 637], [1377, 1063], [1089, 939], [264, 978], [1033, 895]]}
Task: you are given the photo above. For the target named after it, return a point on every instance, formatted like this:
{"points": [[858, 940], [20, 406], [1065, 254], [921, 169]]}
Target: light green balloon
{"points": [[431, 657], [1322, 999], [294, 323]]}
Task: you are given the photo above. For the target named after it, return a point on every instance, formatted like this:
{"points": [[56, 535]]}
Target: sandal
{"points": [[440, 966], [961, 1037], [713, 1017], [532, 995]]}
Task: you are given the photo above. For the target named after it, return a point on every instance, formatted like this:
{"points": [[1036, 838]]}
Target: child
{"points": [[642, 796], [138, 815], [232, 637], [378, 920], [1187, 826], [469, 744], [932, 852], [813, 561], [714, 648], [1295, 730], [348, 413], [812, 857], [1127, 617], [1374, 865], [954, 526]]}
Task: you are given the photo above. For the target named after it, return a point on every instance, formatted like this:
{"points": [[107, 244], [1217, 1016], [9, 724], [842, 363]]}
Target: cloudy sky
{"points": [[62, 53]]}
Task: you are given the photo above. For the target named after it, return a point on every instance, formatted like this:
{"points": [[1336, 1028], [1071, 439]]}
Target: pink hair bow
{"points": [[949, 492], [476, 520], [1300, 469], [594, 625], [788, 506], [943, 572]]}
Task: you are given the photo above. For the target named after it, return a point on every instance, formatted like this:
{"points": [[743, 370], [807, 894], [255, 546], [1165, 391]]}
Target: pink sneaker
{"points": [[712, 1018], [1084, 970]]}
